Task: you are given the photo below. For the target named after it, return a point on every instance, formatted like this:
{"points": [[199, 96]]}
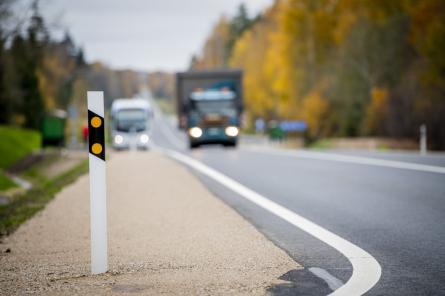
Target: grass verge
{"points": [[16, 143], [35, 173], [321, 144], [5, 182], [25, 206]]}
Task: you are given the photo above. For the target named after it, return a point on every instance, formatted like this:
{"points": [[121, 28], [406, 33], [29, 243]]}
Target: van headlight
{"points": [[231, 131], [118, 139], [195, 132], [144, 139]]}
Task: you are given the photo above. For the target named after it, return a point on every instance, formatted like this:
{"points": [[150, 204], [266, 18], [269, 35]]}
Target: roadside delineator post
{"points": [[98, 200], [423, 135]]}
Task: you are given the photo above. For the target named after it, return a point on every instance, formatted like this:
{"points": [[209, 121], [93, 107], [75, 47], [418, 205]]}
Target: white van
{"points": [[130, 123]]}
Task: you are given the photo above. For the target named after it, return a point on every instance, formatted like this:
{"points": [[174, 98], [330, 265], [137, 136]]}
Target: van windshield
{"points": [[131, 120]]}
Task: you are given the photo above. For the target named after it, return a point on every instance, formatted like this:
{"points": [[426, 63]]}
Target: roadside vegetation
{"points": [[347, 68], [23, 206], [41, 74], [47, 172], [5, 182], [321, 144], [16, 143]]}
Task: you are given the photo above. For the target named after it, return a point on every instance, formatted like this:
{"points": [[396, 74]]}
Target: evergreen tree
{"points": [[5, 108], [5, 102], [239, 23], [33, 106]]}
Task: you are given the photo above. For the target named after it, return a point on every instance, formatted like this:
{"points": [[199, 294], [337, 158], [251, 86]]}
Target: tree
{"points": [[32, 54], [377, 65], [315, 111], [251, 53], [215, 52], [427, 35], [377, 112], [238, 24], [6, 104]]}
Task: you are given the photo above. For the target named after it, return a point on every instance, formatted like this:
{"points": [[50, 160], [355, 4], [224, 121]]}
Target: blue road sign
{"points": [[293, 126]]}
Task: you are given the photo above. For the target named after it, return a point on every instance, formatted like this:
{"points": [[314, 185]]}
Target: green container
{"points": [[53, 128], [276, 133]]}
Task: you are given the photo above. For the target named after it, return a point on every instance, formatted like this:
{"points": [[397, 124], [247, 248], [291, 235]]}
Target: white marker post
{"points": [[423, 146], [98, 200]]}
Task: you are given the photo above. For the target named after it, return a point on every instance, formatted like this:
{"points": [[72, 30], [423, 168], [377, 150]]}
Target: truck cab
{"points": [[213, 117], [210, 106]]}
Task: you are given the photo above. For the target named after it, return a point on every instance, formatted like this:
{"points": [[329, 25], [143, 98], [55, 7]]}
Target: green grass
{"points": [[5, 182], [383, 147], [16, 143], [25, 206], [35, 174], [321, 144]]}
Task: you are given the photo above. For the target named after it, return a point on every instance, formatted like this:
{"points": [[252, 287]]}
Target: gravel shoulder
{"points": [[167, 235]]}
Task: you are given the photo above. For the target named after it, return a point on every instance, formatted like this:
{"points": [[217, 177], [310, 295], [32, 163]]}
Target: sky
{"points": [[143, 35]]}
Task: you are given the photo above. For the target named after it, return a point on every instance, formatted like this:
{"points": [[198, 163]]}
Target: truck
{"points": [[130, 123], [209, 106]]}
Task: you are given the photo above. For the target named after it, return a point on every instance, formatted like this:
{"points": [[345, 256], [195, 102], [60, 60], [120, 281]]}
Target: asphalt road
{"points": [[396, 215]]}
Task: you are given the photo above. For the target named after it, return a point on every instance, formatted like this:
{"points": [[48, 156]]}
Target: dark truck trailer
{"points": [[209, 106]]}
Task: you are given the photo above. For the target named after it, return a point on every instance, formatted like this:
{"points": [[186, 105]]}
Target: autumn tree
{"points": [[238, 25], [427, 35], [250, 53], [215, 52], [39, 74]]}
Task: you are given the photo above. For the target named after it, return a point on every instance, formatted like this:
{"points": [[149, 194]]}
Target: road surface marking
{"points": [[159, 117], [366, 270], [353, 159], [171, 137], [333, 282], [21, 182]]}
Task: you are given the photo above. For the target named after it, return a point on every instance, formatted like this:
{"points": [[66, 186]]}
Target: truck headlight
{"points": [[232, 131], [195, 132], [144, 139], [118, 139]]}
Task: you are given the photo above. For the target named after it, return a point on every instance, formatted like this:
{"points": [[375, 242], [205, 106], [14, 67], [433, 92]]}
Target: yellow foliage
{"points": [[250, 53], [55, 72], [315, 112], [262, 53], [376, 111], [215, 52], [47, 90], [300, 50], [344, 26]]}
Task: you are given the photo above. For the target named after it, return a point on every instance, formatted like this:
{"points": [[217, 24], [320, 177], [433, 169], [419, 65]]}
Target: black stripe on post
{"points": [[96, 135]]}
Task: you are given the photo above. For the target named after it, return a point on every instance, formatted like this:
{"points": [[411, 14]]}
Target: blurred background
{"points": [[366, 74], [329, 109]]}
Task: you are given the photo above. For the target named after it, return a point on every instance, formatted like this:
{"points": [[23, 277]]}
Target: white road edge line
{"points": [[333, 282], [366, 270], [353, 159], [169, 134], [159, 116]]}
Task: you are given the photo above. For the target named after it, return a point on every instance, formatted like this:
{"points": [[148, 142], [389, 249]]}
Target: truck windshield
{"points": [[225, 107], [127, 120]]}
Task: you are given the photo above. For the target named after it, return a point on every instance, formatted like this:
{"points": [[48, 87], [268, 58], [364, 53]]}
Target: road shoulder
{"points": [[167, 234]]}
